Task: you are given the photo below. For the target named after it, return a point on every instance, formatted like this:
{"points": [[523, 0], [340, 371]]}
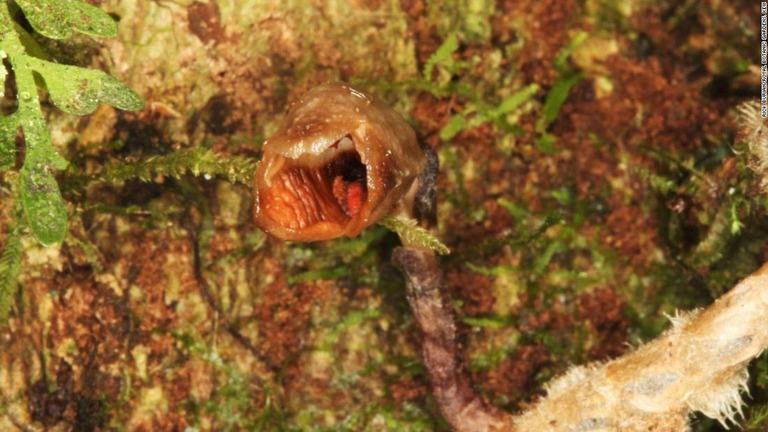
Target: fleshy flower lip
{"points": [[340, 161]]}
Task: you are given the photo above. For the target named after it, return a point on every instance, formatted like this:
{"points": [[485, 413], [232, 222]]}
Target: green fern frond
{"points": [[58, 19], [10, 266], [198, 161], [73, 89], [412, 234]]}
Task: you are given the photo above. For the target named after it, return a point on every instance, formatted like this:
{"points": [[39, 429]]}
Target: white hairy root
{"points": [[700, 364]]}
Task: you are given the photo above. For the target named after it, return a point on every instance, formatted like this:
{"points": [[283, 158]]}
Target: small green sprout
{"points": [[414, 235]]}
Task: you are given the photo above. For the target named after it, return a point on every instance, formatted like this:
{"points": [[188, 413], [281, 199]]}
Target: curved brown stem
{"points": [[460, 405]]}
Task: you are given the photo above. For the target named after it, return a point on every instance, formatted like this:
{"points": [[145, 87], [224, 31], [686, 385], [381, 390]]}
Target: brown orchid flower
{"points": [[339, 162]]}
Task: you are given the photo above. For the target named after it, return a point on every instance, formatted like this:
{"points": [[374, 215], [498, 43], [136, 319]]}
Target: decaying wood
{"points": [[697, 365]]}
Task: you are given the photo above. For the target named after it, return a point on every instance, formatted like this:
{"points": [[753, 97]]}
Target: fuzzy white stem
{"points": [[698, 365]]}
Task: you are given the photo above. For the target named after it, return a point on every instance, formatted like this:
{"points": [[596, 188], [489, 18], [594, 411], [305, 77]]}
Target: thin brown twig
{"points": [[462, 407], [231, 329]]}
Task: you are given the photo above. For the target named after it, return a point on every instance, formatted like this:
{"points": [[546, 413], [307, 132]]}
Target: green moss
{"points": [[414, 235], [568, 77], [196, 161]]}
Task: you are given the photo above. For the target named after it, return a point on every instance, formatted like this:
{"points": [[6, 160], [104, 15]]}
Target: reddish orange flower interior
{"points": [[339, 162]]}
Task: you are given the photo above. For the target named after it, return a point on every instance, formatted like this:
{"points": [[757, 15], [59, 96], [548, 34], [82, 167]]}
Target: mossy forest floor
{"points": [[592, 182]]}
